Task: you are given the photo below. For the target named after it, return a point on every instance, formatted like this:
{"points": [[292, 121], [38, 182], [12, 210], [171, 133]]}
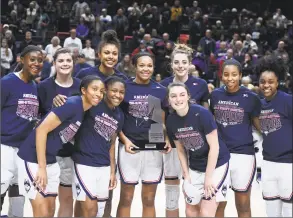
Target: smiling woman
{"points": [[108, 52], [19, 111], [61, 85]]}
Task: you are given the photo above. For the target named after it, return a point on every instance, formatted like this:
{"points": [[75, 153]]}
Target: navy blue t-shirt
{"points": [[71, 115], [198, 88], [19, 109], [276, 127], [233, 113], [93, 140], [135, 107], [47, 91], [191, 131], [95, 71]]}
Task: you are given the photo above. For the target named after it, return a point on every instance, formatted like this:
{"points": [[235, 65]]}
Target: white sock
{"points": [[287, 209], [274, 208], [16, 205], [101, 208]]}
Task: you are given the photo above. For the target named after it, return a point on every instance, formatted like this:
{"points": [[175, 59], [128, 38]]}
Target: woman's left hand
{"points": [[209, 188], [167, 147], [113, 182]]}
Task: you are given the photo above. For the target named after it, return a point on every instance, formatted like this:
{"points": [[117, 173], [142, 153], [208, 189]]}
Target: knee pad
{"points": [[101, 208], [172, 196]]}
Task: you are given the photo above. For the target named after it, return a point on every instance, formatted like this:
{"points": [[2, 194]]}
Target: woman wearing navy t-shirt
{"points": [[94, 158], [61, 84], [276, 127], [236, 110], [205, 168], [38, 169], [108, 52], [180, 62], [144, 165], [19, 111]]}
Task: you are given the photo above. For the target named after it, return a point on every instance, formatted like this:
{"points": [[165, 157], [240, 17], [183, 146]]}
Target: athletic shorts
{"points": [[276, 180], [242, 171], [26, 176], [258, 139], [144, 165], [9, 171], [220, 179], [66, 166], [90, 181], [172, 166]]}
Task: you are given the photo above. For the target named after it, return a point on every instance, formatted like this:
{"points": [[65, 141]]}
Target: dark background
{"points": [[255, 5]]}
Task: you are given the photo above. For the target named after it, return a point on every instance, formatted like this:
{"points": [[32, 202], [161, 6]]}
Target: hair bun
{"points": [[109, 35], [184, 48]]}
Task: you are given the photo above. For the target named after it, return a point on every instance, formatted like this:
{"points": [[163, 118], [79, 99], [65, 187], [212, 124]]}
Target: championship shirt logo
{"points": [[105, 126], [28, 107], [228, 113], [139, 107], [269, 121], [191, 139], [69, 132]]}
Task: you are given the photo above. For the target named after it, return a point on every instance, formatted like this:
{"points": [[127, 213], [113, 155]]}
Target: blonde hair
{"points": [[182, 49]]}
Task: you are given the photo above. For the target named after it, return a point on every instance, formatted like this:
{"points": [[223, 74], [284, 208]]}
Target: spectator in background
{"points": [[195, 28], [80, 63], [249, 45], [105, 20], [148, 41], [281, 53], [207, 43], [234, 29], [28, 41], [82, 30], [17, 66], [205, 24], [158, 78], [89, 18], [245, 81], [239, 51], [125, 66], [222, 51], [120, 24], [89, 53], [62, 10], [11, 41], [218, 30], [73, 42], [195, 8], [235, 38], [16, 6], [280, 21], [133, 20], [50, 9], [247, 65], [78, 9], [146, 17], [43, 24], [176, 14], [47, 65], [6, 57], [31, 15], [53, 47], [165, 18], [142, 48]]}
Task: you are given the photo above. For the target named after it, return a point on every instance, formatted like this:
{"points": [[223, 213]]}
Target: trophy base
{"points": [[144, 145]]}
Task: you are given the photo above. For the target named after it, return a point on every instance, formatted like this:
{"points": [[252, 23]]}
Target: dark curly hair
{"points": [[272, 64]]}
